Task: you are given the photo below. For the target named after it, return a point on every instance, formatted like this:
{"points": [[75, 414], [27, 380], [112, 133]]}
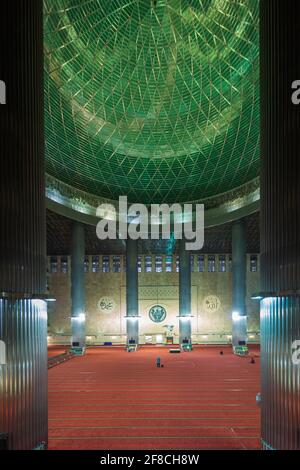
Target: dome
{"points": [[154, 99]]}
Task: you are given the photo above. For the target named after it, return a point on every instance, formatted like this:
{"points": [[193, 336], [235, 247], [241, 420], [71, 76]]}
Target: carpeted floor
{"points": [[57, 350], [111, 399]]}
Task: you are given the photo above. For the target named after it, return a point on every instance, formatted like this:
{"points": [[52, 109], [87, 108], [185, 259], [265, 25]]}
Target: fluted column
{"points": [[78, 286], [280, 223], [239, 314], [23, 310], [132, 301], [185, 328]]}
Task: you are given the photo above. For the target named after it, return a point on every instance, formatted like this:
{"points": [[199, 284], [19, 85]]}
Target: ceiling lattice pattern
{"points": [[156, 100]]}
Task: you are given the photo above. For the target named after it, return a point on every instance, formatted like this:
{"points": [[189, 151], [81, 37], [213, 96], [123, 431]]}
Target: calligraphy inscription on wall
{"points": [[106, 304], [211, 303]]}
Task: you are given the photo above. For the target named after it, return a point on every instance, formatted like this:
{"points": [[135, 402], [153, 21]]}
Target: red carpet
{"points": [[111, 399], [57, 350]]}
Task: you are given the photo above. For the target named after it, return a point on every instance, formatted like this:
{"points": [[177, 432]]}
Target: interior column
{"points": [[23, 309], [132, 302], [239, 314], [185, 328], [280, 223], [78, 317]]}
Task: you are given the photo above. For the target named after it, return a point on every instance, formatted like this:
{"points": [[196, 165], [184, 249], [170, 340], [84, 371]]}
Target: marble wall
{"points": [[106, 304]]}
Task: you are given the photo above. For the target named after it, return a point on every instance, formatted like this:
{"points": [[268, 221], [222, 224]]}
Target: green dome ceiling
{"points": [[156, 100]]}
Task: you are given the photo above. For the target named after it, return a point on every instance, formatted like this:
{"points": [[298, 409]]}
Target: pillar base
{"points": [[23, 373], [80, 351], [280, 362], [185, 332], [132, 331], [239, 332], [78, 333]]}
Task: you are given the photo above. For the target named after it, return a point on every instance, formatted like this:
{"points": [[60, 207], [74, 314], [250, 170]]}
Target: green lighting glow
{"points": [[159, 103]]}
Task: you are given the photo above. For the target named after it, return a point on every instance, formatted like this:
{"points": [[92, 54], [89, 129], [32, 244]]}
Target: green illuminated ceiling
{"points": [[157, 102]]}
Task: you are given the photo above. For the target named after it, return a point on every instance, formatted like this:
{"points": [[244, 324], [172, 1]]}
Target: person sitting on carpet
{"points": [[158, 361]]}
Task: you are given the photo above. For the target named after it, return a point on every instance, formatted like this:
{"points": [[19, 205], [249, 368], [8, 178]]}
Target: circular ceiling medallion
{"points": [[157, 313], [106, 304], [211, 303]]}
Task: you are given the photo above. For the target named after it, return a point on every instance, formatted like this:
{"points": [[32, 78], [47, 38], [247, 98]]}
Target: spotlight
{"points": [[256, 297], [235, 316], [185, 318], [80, 318]]}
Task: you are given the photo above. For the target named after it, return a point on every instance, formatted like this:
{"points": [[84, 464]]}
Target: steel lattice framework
{"points": [[157, 100]]}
